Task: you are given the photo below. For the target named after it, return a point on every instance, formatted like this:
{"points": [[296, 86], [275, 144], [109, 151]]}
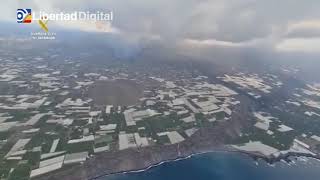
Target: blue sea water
{"points": [[226, 166]]}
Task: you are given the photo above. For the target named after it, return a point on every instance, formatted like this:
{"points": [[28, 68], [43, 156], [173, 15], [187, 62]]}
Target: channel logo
{"points": [[24, 16]]}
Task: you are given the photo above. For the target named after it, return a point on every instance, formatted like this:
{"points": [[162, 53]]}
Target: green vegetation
{"points": [[103, 141], [220, 115], [4, 135], [157, 124], [21, 172], [33, 158], [80, 147], [4, 170], [19, 115], [162, 140], [202, 121], [279, 140]]}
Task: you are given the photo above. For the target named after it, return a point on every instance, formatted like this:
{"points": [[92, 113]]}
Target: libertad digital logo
{"points": [[24, 16], [42, 17]]}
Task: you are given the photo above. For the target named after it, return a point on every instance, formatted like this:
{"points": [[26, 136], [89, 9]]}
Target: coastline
{"points": [[92, 172], [253, 156], [205, 140], [160, 163]]}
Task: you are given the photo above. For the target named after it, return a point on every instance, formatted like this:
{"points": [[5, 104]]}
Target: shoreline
{"points": [[206, 140], [158, 164], [229, 149], [103, 166]]}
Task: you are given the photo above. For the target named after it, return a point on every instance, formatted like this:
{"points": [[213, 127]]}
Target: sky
{"points": [[285, 26]]}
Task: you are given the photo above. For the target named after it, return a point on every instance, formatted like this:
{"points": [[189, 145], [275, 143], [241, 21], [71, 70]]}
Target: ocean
{"points": [[226, 166]]}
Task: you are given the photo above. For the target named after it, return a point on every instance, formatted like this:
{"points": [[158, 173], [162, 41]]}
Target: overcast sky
{"points": [[277, 25]]}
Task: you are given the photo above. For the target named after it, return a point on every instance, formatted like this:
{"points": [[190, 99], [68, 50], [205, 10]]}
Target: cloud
{"points": [[299, 45], [304, 29], [88, 26], [284, 26], [212, 42]]}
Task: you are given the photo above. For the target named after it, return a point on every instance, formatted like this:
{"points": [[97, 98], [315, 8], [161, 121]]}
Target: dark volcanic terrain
{"points": [[118, 92]]}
